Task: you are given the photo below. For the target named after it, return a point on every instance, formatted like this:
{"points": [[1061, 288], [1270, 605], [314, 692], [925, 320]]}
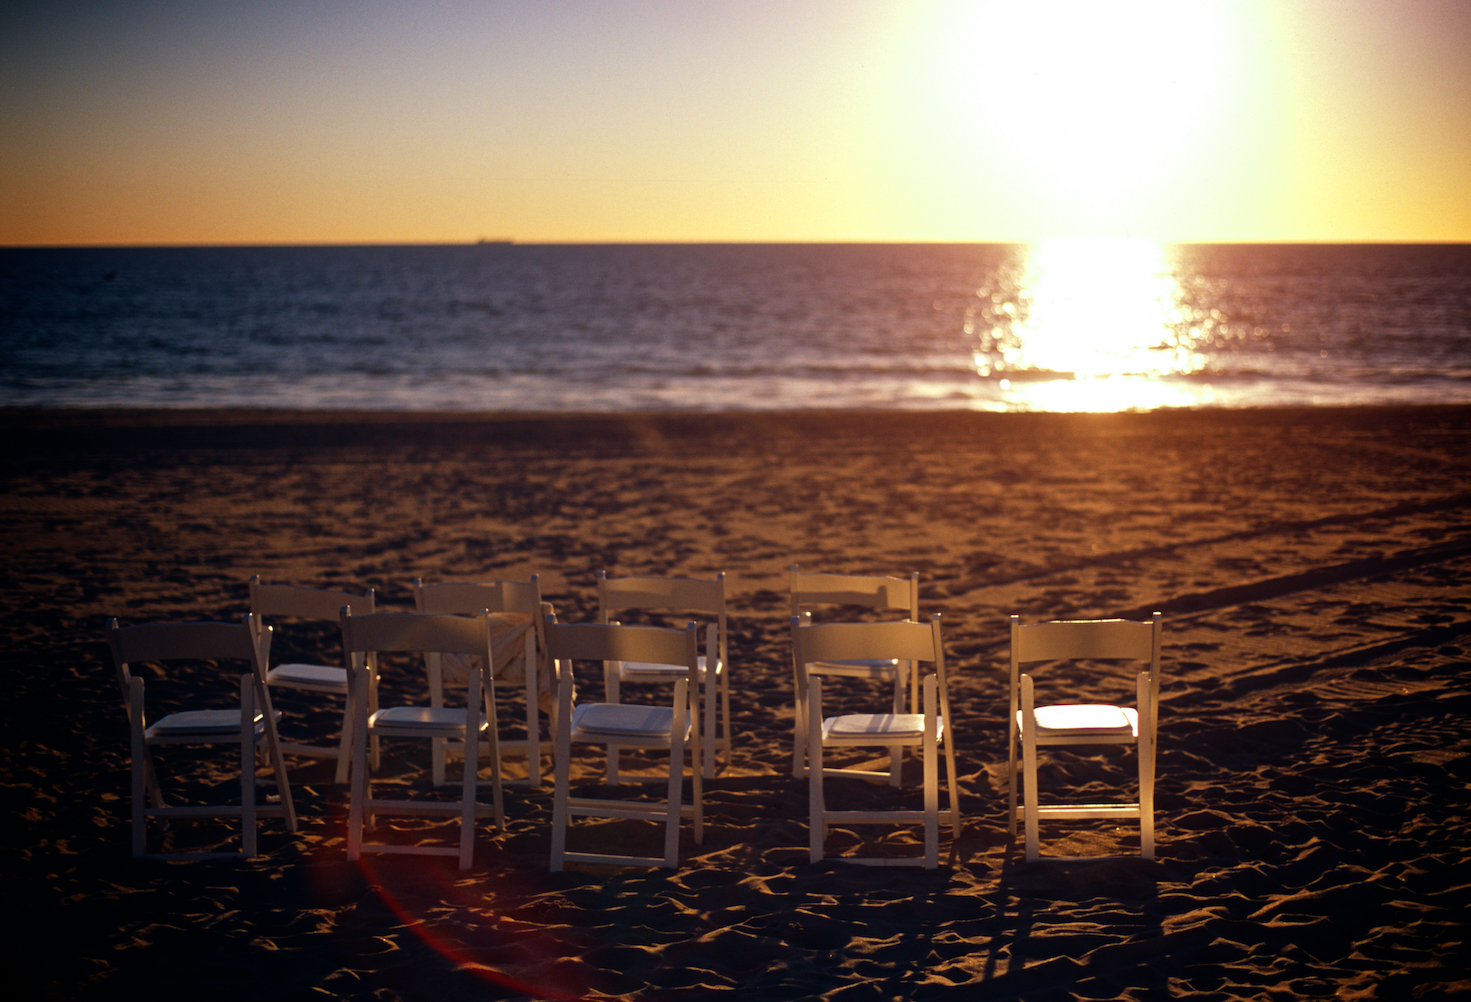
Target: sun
{"points": [[1096, 108]]}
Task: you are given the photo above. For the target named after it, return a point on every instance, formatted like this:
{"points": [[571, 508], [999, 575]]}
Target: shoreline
{"points": [[72, 427]]}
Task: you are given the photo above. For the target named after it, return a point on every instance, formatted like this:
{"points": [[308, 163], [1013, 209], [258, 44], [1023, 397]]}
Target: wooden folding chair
{"points": [[458, 598], [622, 725], [383, 633], [866, 591], [1071, 724], [928, 731], [246, 725], [276, 601], [666, 596]]}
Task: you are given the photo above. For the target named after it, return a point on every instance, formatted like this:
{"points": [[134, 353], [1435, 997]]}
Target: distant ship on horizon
{"points": [[494, 242]]}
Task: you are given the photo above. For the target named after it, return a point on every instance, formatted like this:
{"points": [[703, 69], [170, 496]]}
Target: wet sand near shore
{"points": [[1314, 803]]}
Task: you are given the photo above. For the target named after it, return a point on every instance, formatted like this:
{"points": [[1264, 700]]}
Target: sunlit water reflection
{"points": [[1090, 324]]}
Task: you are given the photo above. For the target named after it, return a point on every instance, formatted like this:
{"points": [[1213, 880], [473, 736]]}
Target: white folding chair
{"points": [[170, 642], [1031, 726], [269, 602], [673, 595], [876, 592], [457, 598], [929, 731], [383, 633], [623, 725]]}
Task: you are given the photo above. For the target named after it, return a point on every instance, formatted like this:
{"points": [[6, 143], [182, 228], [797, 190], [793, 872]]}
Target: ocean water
{"points": [[1081, 325]]}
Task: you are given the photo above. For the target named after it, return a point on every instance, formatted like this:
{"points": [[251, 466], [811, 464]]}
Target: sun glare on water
{"points": [[1089, 326]]}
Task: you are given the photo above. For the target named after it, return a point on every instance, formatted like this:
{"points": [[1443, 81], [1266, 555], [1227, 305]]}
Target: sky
{"points": [[142, 122]]}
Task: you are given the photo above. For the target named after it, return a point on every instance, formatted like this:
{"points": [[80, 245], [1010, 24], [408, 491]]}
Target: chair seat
{"points": [[203, 723], [623, 718], [318, 676], [651, 669], [1078, 720], [874, 725], [421, 718]]}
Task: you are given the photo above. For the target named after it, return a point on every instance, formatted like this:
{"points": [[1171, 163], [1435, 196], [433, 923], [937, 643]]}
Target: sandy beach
{"points": [[1314, 801]]}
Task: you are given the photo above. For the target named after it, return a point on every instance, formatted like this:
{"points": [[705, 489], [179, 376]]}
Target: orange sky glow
{"points": [[290, 121]]}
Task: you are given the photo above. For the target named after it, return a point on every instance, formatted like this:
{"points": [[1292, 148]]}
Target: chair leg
{"points": [[931, 778], [697, 782], [896, 751], [467, 781], [948, 741], [376, 746], [141, 767], [611, 679], [1145, 747], [278, 760], [533, 735], [468, 806], [725, 712], [702, 741], [438, 747], [675, 803], [708, 724], [817, 806], [1029, 795], [247, 765], [344, 745], [1011, 777], [357, 798], [493, 744], [1029, 769], [1146, 809], [561, 773], [799, 730]]}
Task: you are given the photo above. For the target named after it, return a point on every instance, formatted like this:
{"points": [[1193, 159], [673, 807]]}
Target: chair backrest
{"points": [[905, 641], [155, 642], [656, 594], [295, 602], [867, 590], [414, 633], [611, 642], [461, 598], [305, 603], [668, 594], [465, 598], [1091, 639], [1104, 639]]}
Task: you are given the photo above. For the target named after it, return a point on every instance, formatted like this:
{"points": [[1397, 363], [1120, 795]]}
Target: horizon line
{"points": [[507, 243]]}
